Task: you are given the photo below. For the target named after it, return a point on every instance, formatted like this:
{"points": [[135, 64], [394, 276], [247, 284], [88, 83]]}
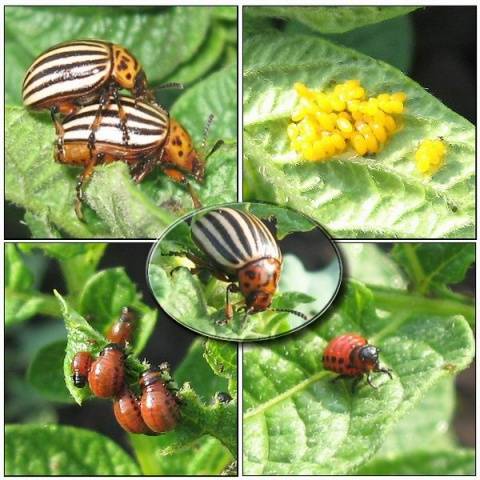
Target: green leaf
{"points": [[225, 13], [22, 300], [198, 302], [222, 358], [206, 454], [121, 208], [367, 263], [459, 461], [196, 370], [391, 41], [40, 226], [78, 261], [32, 179], [104, 296], [288, 394], [423, 427], [46, 372], [206, 57], [331, 19], [61, 450], [382, 196], [432, 266], [161, 38]]}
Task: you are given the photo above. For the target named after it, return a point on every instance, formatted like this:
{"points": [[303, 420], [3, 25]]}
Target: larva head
{"points": [[258, 282], [127, 71], [368, 355], [180, 153]]}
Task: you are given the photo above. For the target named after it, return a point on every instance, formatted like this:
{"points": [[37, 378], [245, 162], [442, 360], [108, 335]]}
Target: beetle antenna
{"points": [[287, 310], [173, 85], [206, 131]]}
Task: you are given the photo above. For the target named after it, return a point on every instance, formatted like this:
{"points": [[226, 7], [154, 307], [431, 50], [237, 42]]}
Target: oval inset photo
{"points": [[245, 271]]}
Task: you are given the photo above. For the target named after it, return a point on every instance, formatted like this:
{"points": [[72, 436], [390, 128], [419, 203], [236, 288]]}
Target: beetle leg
{"points": [[179, 177], [144, 168], [123, 116], [103, 102], [82, 179], [386, 371], [369, 380], [232, 288]]}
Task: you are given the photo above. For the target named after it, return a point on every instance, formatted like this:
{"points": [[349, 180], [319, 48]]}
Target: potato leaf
{"points": [[331, 19], [382, 196], [61, 450], [288, 394]]}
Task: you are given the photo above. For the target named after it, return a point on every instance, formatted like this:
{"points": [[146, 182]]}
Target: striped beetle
{"points": [[77, 73], [154, 140], [238, 247]]}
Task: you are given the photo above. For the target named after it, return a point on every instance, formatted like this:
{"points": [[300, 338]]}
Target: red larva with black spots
{"points": [[81, 364], [121, 331], [350, 355], [159, 406], [107, 373], [126, 408]]}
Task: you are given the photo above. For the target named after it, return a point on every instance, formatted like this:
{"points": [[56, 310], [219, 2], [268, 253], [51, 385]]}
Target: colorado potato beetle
{"points": [[154, 140], [238, 247], [159, 406], [350, 355], [126, 408], [121, 331], [107, 373], [81, 364], [77, 73]]}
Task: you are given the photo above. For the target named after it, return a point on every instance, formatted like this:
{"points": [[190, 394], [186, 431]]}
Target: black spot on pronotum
{"points": [[250, 274], [247, 284], [180, 153]]}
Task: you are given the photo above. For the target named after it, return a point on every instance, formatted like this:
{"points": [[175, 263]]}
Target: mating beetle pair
{"points": [[81, 80], [238, 248]]}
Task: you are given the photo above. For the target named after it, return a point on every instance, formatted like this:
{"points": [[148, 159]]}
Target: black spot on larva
{"points": [[247, 284], [334, 359], [129, 76], [340, 360], [180, 153], [326, 358]]}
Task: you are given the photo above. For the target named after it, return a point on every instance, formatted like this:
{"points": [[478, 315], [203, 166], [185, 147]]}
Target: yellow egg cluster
{"points": [[430, 156], [327, 123]]}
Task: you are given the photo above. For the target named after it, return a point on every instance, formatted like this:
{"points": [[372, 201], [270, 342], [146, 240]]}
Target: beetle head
{"points": [[369, 356], [126, 69], [180, 153], [258, 300]]}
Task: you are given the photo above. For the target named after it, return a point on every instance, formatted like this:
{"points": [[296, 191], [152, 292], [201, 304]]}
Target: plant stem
{"points": [[391, 299]]}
